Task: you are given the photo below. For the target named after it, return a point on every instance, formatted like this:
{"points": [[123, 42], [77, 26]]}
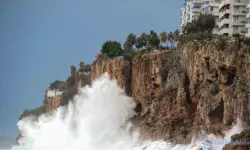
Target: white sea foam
{"points": [[97, 119]]}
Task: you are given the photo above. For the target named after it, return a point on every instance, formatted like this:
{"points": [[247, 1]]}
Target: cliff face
{"points": [[52, 103], [118, 68], [183, 91]]}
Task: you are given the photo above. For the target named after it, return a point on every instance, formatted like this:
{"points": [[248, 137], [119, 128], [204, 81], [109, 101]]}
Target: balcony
{"points": [[227, 11], [240, 13], [239, 23], [225, 31], [224, 21], [240, 3], [223, 3], [213, 4], [215, 13], [196, 9], [241, 32]]}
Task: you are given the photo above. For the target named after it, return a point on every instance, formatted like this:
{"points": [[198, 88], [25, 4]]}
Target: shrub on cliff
{"points": [[203, 23], [221, 42], [61, 85], [199, 29], [33, 112], [128, 55], [112, 49], [67, 95]]}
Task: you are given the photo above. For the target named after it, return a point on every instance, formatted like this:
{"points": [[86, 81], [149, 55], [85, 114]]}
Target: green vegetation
{"points": [[200, 29], [112, 49], [61, 85], [134, 44], [34, 112]]}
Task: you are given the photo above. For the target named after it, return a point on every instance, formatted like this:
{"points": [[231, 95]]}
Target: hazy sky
{"points": [[40, 39]]}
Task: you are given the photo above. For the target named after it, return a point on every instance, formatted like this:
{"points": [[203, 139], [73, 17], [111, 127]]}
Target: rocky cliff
{"points": [[200, 86]]}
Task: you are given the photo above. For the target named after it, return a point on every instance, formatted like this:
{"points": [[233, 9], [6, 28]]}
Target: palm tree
{"points": [[144, 38], [176, 36]]}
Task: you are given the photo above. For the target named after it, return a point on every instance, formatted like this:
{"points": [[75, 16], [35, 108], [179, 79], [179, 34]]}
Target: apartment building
{"points": [[190, 11], [232, 17], [248, 19], [193, 8]]}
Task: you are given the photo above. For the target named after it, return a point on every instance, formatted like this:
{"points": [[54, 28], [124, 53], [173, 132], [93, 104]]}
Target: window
{"points": [[206, 10], [236, 19], [236, 9], [196, 5]]}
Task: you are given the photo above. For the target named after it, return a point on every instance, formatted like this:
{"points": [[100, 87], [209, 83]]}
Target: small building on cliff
{"points": [[53, 92]]}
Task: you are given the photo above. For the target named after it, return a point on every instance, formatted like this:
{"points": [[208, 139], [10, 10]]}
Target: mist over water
{"points": [[97, 119]]}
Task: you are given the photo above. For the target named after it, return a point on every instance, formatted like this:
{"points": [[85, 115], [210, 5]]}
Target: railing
{"points": [[224, 21], [224, 30], [243, 32], [243, 21], [226, 11]]}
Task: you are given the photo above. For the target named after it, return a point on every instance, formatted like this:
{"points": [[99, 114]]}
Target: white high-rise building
{"points": [[248, 20], [193, 8], [232, 17], [190, 11]]}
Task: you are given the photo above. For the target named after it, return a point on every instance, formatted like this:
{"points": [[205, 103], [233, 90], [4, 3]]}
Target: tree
{"points": [[154, 40], [81, 64], [144, 38], [204, 23], [131, 39], [61, 85], [164, 37], [127, 46], [176, 35], [112, 49], [139, 43]]}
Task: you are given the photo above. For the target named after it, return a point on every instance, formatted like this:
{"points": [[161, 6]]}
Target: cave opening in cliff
{"points": [[138, 108], [207, 63], [231, 76], [217, 114]]}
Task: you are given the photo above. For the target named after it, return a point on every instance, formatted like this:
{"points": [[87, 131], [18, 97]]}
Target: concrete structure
{"points": [[232, 17], [190, 11], [53, 92], [248, 19]]}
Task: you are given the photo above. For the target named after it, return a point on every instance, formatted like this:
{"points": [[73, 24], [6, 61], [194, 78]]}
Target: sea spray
{"points": [[97, 119]]}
